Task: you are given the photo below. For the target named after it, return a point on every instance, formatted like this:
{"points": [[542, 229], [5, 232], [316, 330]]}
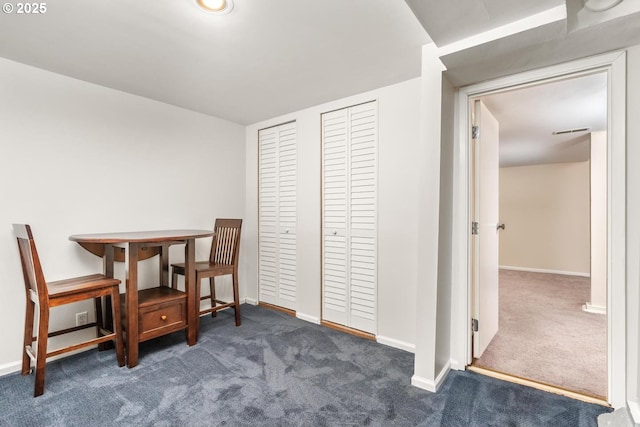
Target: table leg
{"points": [[164, 265], [109, 261], [190, 287], [108, 266], [131, 304]]}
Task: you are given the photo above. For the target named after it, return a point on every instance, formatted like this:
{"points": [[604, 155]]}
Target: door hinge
{"points": [[474, 325], [475, 132], [474, 227]]}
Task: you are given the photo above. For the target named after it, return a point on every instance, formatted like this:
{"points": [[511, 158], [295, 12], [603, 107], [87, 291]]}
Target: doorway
{"points": [[540, 158], [613, 66]]}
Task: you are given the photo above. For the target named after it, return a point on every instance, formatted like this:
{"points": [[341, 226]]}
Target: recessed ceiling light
{"points": [[600, 5], [219, 7]]}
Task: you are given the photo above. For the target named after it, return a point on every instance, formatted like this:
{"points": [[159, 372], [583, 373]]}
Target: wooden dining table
{"points": [[158, 310]]}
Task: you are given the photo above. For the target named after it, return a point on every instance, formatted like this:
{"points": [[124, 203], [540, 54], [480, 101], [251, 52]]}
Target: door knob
{"points": [[500, 226]]}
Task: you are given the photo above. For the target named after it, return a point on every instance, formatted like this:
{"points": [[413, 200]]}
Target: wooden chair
{"points": [[223, 260], [46, 295]]}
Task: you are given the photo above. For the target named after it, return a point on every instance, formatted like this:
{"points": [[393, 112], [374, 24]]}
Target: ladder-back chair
{"points": [[223, 260], [52, 294]]}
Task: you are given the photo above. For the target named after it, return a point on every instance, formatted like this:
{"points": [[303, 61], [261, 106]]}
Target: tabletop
{"points": [[141, 236]]}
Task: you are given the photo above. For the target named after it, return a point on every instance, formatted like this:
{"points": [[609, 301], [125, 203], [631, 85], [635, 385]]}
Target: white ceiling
{"points": [[580, 33], [268, 58], [452, 20], [264, 59], [529, 116]]}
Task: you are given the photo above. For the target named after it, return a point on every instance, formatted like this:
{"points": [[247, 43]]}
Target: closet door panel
{"points": [[287, 262], [287, 177], [334, 179], [334, 217], [287, 216], [363, 167], [334, 279], [278, 215], [363, 216], [363, 283], [349, 215], [268, 215]]}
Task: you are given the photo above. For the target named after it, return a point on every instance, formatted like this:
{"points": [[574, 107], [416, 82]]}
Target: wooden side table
{"points": [[156, 311]]}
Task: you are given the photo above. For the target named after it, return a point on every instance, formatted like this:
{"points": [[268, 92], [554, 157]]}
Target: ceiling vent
{"points": [[562, 132]]}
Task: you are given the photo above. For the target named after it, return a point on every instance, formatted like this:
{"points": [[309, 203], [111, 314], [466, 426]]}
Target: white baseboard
{"points": [[251, 301], [10, 368], [423, 383], [542, 270], [456, 365], [634, 409], [443, 375], [308, 318], [391, 342], [431, 385], [596, 309]]}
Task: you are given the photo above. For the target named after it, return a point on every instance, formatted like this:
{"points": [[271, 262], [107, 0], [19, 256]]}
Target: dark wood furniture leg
{"points": [[28, 336], [115, 296], [41, 358], [107, 264], [236, 298], [212, 286], [164, 265], [131, 304], [193, 298]]}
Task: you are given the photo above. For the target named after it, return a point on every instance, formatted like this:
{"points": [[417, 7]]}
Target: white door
{"points": [[362, 224], [278, 215], [349, 200], [485, 242], [268, 215], [335, 268], [287, 215]]}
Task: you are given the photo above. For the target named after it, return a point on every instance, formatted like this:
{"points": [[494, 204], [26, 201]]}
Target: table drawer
{"points": [[162, 318]]}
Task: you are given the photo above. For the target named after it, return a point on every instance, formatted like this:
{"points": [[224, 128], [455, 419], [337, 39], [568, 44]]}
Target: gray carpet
{"points": [[545, 335], [274, 370]]}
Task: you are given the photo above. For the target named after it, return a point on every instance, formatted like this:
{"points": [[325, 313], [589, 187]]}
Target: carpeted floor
{"points": [[274, 370], [545, 336]]}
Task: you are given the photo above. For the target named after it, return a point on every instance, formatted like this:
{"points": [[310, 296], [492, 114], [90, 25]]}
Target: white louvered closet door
{"points": [[334, 217], [349, 203], [268, 215], [278, 215], [287, 215]]}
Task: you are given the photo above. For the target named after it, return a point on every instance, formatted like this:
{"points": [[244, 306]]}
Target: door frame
{"points": [[614, 64]]}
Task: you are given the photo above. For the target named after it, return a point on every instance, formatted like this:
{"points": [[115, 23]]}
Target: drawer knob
{"points": [[163, 317]]}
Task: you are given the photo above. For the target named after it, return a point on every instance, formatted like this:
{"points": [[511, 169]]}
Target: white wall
{"points": [[598, 201], [443, 333], [546, 212], [80, 158], [427, 372], [633, 232], [399, 169]]}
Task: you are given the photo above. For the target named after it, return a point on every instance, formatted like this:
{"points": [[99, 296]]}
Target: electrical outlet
{"points": [[82, 318]]}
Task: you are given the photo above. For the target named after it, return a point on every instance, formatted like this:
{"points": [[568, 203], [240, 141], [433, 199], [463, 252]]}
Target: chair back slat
{"points": [[31, 268], [226, 243]]}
